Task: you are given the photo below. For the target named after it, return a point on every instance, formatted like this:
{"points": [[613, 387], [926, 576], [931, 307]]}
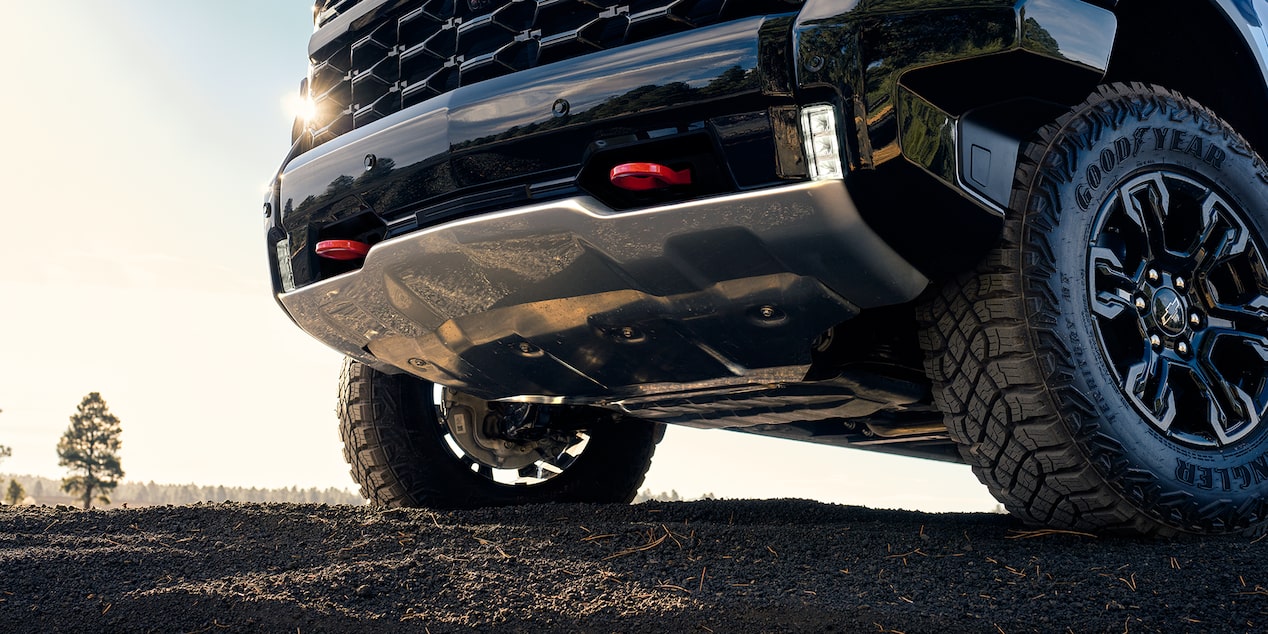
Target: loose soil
{"points": [[708, 566]]}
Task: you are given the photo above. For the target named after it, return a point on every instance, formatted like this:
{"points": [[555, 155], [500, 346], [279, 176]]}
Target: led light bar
{"points": [[284, 269], [823, 148]]}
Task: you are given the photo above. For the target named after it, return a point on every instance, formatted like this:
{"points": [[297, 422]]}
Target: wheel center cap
{"points": [[1168, 311]]}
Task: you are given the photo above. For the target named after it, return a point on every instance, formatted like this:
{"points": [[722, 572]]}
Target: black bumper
{"points": [[714, 99]]}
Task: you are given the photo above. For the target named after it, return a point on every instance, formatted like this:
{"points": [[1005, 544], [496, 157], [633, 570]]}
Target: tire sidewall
{"points": [[1131, 135]]}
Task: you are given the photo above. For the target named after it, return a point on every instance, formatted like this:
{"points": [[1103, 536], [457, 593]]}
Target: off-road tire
{"points": [[395, 445], [1027, 390]]}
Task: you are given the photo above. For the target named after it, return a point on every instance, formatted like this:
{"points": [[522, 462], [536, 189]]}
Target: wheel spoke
{"points": [[1231, 411], [1211, 222], [1229, 407], [1145, 202], [1218, 246], [1251, 319], [1110, 302], [1148, 383]]}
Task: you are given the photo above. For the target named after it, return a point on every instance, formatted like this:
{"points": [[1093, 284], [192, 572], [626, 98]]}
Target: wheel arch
{"points": [[1190, 64], [994, 118], [940, 142]]}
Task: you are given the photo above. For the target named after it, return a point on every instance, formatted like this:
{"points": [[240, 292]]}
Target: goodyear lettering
{"points": [[1083, 196], [1124, 148], [1177, 139], [1138, 139], [1094, 176], [1241, 476], [1195, 147], [1108, 160], [1215, 157], [1181, 141]]}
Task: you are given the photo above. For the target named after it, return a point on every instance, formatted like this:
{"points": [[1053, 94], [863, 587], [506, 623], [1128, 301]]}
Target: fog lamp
{"points": [[823, 148]]}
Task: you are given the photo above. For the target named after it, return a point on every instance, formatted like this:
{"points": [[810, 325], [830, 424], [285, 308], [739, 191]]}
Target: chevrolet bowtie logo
{"points": [[1171, 313], [1169, 310]]}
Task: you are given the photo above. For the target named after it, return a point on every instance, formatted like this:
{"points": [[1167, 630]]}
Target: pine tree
{"points": [[15, 494], [90, 451]]}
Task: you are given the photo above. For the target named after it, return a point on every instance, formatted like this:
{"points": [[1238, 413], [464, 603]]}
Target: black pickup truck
{"points": [[1025, 235]]}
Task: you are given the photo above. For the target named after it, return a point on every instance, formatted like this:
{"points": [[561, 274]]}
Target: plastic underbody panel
{"points": [[571, 299]]}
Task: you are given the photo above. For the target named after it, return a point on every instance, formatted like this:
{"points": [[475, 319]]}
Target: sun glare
{"points": [[300, 107]]}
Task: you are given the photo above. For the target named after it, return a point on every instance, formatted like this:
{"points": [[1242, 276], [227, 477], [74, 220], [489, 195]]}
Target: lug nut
{"points": [[1140, 303], [1153, 275], [1195, 320], [1182, 348], [1155, 341], [1180, 283]]}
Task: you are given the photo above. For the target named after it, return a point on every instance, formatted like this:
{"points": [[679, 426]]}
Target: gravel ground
{"points": [[708, 566]]}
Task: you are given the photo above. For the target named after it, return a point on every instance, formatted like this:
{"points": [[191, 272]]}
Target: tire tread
{"points": [[397, 463]]}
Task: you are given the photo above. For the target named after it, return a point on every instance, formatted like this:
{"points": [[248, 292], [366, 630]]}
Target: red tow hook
{"points": [[641, 177], [342, 249]]}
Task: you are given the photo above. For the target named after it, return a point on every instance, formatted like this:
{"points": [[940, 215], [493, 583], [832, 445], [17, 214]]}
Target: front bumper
{"points": [[572, 299], [714, 99]]}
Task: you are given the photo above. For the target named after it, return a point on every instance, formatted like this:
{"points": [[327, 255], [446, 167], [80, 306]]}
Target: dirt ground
{"points": [[708, 566]]}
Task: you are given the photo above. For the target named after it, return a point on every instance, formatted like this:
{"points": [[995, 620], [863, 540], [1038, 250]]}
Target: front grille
{"points": [[403, 53]]}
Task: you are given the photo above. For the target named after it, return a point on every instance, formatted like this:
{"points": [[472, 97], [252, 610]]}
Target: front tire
{"points": [[1106, 368], [404, 452]]}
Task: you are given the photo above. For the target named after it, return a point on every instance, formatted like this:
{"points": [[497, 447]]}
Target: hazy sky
{"points": [[141, 134]]}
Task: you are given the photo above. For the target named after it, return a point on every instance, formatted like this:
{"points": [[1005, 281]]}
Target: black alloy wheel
{"points": [[1178, 283]]}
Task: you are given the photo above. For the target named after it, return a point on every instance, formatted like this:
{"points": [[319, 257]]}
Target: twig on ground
{"points": [[630, 551], [1044, 533]]}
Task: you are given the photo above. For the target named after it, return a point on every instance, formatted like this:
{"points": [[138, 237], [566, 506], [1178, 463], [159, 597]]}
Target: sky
{"points": [[141, 136]]}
